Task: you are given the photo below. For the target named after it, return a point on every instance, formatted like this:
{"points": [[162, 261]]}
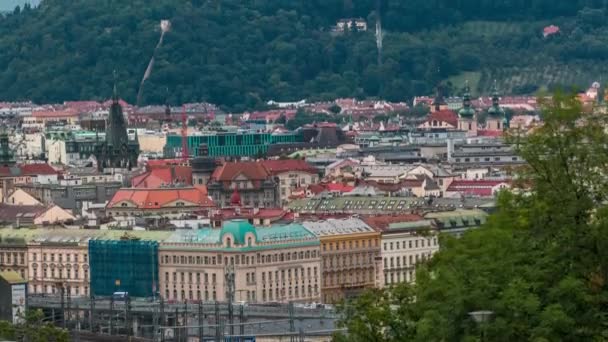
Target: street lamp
{"points": [[481, 317]]}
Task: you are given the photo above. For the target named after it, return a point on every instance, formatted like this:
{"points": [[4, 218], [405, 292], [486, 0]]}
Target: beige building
{"points": [[292, 174], [13, 254], [152, 142], [55, 261], [406, 241], [20, 197], [350, 253], [267, 264]]}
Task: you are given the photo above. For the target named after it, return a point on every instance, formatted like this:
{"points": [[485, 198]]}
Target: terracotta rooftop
{"points": [[280, 166], [158, 177], [382, 222], [157, 198], [445, 116], [231, 170]]}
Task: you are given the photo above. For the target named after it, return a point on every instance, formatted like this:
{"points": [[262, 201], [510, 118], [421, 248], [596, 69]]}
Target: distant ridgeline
{"points": [[241, 54]]}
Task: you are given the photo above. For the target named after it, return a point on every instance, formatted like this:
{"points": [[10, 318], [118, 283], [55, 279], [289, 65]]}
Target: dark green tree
{"points": [[540, 264]]}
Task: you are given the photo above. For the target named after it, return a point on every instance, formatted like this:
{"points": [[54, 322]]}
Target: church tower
{"points": [[496, 120], [439, 103], [117, 151], [467, 119], [7, 158]]}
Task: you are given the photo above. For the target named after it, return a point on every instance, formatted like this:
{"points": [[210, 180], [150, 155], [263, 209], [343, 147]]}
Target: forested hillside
{"points": [[239, 54]]}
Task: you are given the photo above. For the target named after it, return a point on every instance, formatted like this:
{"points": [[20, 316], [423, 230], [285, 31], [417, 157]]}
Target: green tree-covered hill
{"points": [[239, 54]]}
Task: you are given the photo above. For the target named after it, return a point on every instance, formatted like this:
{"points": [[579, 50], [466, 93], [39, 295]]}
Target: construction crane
{"points": [[185, 154]]}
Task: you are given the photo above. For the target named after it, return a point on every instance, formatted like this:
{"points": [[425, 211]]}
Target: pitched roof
{"points": [[37, 169], [475, 187], [230, 170], [157, 177], [338, 187], [382, 222], [27, 170], [157, 198], [445, 116], [287, 165]]}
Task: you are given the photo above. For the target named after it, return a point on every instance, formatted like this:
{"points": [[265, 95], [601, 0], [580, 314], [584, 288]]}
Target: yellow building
{"points": [[350, 257]]}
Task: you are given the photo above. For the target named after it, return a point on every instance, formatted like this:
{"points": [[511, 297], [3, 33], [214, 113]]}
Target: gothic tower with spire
{"points": [[7, 158], [496, 120], [117, 151], [467, 118]]}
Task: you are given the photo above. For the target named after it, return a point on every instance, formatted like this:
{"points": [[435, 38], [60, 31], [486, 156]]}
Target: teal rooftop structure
{"points": [[240, 235]]}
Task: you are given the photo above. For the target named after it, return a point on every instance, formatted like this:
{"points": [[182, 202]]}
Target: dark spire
{"points": [[495, 99], [115, 92]]}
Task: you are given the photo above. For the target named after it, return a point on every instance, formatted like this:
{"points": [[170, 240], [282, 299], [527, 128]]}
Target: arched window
{"points": [[249, 241], [228, 242]]}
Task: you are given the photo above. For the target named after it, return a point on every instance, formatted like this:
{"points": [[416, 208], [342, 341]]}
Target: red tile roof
{"points": [[55, 113], [27, 170], [489, 133], [230, 170], [445, 116], [163, 163], [157, 177], [157, 198], [279, 166], [338, 187], [475, 187], [37, 169]]}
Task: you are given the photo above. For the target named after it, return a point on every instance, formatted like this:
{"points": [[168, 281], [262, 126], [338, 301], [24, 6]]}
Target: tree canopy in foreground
{"points": [[540, 263]]}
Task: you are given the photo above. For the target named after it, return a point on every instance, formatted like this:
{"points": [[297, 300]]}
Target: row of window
{"points": [[190, 277], [289, 293], [57, 273], [487, 159], [289, 274], [52, 289], [349, 260], [418, 243], [14, 258], [398, 277], [413, 260], [351, 278], [363, 243], [238, 259], [61, 257]]}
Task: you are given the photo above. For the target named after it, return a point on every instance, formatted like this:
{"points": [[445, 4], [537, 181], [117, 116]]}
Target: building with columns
{"points": [[280, 263]]}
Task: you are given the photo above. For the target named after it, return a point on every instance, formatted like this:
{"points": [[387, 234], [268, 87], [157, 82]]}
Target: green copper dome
{"points": [[495, 111], [238, 229], [466, 112]]}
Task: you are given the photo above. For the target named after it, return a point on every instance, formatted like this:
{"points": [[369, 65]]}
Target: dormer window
{"points": [[228, 242], [249, 241]]}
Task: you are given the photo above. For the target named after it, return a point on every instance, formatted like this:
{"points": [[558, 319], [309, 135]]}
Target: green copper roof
{"points": [[273, 237], [495, 110], [467, 111], [238, 229]]}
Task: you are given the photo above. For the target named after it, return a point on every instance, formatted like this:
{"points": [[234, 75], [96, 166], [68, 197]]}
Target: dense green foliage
{"points": [[33, 329], [540, 263], [240, 54]]}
